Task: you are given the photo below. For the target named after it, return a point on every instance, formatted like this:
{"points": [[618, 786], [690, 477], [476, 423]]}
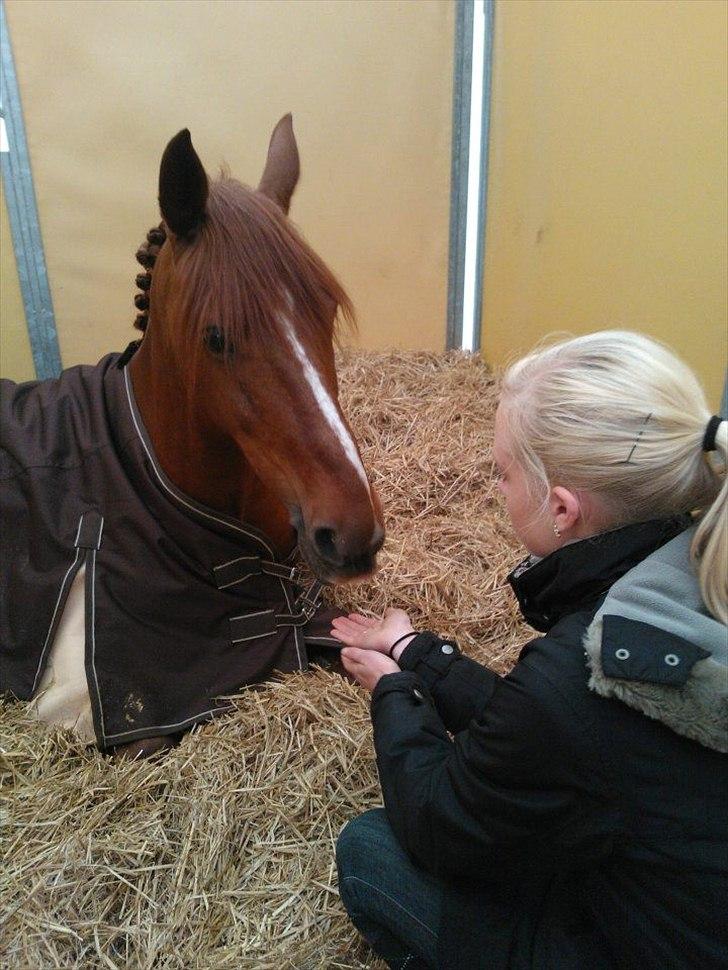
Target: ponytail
{"points": [[710, 545]]}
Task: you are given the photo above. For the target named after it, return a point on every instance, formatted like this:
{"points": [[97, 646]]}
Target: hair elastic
{"points": [[710, 432], [412, 633]]}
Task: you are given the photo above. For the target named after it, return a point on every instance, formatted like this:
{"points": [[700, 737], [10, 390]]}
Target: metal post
{"points": [[462, 71], [465, 271], [23, 216]]}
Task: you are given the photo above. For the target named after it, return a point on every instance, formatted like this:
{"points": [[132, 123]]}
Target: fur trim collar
{"points": [[653, 646]]}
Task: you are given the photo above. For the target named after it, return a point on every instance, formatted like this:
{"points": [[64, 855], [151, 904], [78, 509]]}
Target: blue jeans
{"points": [[395, 906]]}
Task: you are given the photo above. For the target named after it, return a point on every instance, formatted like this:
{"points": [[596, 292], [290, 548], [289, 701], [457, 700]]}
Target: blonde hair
{"points": [[618, 415]]}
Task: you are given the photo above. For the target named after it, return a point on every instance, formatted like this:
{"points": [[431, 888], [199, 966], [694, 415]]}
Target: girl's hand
{"points": [[367, 666], [367, 633]]}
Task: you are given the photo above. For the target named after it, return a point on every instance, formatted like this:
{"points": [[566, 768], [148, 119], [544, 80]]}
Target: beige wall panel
{"points": [[608, 176], [105, 85], [16, 359]]}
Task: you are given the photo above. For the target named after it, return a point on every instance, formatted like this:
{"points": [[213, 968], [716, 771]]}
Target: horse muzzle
{"points": [[338, 554]]}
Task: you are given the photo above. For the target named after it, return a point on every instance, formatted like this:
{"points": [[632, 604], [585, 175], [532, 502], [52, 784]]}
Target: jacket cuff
{"points": [[404, 682], [429, 656]]}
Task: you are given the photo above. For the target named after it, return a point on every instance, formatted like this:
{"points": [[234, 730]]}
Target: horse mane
{"points": [[245, 269], [147, 255]]}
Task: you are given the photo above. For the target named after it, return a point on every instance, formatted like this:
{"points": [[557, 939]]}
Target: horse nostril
{"points": [[377, 540], [325, 540], [347, 553]]}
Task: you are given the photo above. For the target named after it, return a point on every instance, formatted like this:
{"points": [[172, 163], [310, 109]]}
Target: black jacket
{"points": [[572, 830]]}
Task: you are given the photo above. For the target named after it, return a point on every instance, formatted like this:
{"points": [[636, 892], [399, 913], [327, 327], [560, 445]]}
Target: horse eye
{"points": [[215, 341]]}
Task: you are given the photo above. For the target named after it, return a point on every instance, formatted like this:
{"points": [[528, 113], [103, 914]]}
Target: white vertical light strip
{"points": [[472, 227]]}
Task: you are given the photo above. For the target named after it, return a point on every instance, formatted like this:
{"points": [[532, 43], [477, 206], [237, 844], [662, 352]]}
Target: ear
{"points": [[565, 508], [282, 167], [182, 186]]}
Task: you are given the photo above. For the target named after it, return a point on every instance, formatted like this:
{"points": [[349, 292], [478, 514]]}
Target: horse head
{"points": [[235, 376]]}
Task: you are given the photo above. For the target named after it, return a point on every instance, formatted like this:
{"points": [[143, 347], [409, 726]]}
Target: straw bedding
{"points": [[221, 852]]}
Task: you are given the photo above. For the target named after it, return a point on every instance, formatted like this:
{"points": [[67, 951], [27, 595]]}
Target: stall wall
{"points": [[608, 176], [104, 86]]}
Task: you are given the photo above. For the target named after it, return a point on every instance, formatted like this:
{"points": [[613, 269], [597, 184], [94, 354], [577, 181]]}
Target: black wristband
{"points": [[412, 633]]}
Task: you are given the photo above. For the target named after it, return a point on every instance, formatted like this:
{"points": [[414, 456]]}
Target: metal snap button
{"points": [[418, 695], [672, 659], [447, 648], [621, 654]]}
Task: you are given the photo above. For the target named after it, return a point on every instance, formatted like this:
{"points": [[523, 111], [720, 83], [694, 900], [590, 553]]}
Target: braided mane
{"points": [[147, 255]]}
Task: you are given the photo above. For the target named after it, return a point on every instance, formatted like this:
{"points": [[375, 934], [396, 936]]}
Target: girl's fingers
{"points": [[356, 633], [366, 621], [352, 638], [349, 663], [344, 625], [363, 659], [347, 621]]}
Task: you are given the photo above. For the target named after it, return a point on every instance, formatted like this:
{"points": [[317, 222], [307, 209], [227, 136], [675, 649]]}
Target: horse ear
{"points": [[182, 186], [282, 166]]}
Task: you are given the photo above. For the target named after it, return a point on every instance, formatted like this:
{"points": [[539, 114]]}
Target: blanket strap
{"points": [[264, 623], [238, 570]]}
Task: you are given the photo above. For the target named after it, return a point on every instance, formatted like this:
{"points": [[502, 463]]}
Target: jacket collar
{"points": [[574, 577], [654, 646]]}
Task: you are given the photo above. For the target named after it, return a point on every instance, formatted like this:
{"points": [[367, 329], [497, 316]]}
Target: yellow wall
{"points": [[104, 85], [608, 176], [607, 185], [16, 360]]}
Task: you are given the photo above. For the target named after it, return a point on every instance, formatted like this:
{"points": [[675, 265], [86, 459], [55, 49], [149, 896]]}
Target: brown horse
{"points": [[233, 391], [239, 353]]}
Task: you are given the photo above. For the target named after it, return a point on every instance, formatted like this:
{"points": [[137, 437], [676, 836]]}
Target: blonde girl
{"points": [[571, 814]]}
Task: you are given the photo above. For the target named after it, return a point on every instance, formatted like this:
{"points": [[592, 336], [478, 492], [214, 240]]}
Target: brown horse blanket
{"points": [[184, 605]]}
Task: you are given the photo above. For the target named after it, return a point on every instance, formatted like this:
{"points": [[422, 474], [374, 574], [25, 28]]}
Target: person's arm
{"points": [[505, 797], [460, 687]]}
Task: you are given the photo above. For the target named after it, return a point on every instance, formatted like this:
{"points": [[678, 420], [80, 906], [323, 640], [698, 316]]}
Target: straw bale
{"points": [[220, 853]]}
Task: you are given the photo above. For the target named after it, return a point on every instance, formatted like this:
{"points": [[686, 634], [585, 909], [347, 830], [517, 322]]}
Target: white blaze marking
{"points": [[325, 402]]}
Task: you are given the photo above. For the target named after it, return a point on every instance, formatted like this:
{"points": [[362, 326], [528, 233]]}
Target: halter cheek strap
{"points": [[710, 433]]}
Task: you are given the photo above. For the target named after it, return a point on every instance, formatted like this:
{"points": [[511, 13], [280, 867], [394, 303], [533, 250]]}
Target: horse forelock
{"points": [[247, 266]]}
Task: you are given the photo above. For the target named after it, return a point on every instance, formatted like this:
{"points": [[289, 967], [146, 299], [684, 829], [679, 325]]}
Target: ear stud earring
{"points": [[556, 531]]}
